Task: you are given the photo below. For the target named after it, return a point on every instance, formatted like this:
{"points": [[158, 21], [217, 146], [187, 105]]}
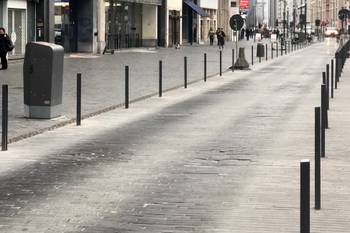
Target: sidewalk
{"points": [[221, 156], [103, 80]]}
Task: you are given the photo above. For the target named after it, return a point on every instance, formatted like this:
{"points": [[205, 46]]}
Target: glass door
{"points": [[124, 24], [64, 33], [17, 30]]}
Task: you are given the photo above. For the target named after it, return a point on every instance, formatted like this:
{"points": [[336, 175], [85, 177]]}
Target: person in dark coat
{"points": [[221, 38], [5, 47], [242, 34], [247, 33], [211, 35]]}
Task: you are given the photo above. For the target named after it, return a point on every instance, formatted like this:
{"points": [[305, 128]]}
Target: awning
{"points": [[150, 2], [196, 8]]}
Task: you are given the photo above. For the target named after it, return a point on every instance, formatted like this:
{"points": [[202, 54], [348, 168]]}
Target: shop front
{"points": [[131, 23], [191, 16], [74, 23], [16, 18]]}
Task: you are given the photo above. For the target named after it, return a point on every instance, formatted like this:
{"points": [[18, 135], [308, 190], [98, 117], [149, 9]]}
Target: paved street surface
{"points": [[103, 79], [221, 156]]}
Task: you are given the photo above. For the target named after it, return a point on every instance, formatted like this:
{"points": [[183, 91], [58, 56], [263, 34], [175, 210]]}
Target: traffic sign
{"points": [[236, 22], [343, 14]]}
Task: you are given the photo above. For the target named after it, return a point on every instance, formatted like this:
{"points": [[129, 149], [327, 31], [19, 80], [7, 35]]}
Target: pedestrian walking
{"points": [[247, 34], [242, 34], [217, 36], [211, 35], [6, 45], [221, 38]]}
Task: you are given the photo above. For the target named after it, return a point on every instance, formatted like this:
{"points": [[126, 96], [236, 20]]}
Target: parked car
{"points": [[331, 32]]}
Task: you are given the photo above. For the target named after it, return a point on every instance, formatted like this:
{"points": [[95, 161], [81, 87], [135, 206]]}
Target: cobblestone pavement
{"points": [[218, 157], [103, 79]]}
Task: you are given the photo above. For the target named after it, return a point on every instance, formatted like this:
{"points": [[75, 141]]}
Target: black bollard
{"points": [[220, 62], [289, 47], [79, 99], [126, 87], [276, 49], [336, 72], [281, 50], [327, 83], [317, 158], [271, 50], [233, 60], [266, 51], [324, 105], [185, 72], [304, 196], [160, 79], [252, 55], [332, 78], [285, 47], [205, 67], [323, 121], [4, 132]]}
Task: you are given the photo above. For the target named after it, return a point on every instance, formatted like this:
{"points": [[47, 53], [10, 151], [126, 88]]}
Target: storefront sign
{"points": [[244, 4], [151, 2]]}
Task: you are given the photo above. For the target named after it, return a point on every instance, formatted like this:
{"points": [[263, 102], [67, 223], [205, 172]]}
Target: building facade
{"points": [[210, 21], [224, 15], [92, 26], [18, 18]]}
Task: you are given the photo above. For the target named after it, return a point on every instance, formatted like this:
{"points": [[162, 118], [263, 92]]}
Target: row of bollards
{"points": [[330, 79], [286, 48], [127, 74]]}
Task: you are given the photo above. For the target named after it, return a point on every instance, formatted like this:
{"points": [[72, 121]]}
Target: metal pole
{"points": [[266, 51], [336, 71], [126, 87], [285, 47], [276, 49], [317, 158], [233, 60], [327, 83], [160, 78], [281, 50], [205, 67], [220, 62], [271, 50], [324, 102], [323, 121], [79, 99], [185, 72], [332, 78], [304, 196], [252, 55], [4, 134]]}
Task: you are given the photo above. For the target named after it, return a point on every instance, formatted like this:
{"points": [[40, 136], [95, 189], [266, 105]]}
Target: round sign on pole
{"points": [[343, 14], [236, 22]]}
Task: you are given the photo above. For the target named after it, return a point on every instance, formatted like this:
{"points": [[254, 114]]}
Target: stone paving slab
{"points": [[218, 157], [103, 80]]}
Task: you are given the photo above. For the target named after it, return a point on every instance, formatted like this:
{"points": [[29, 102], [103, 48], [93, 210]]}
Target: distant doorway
{"points": [[17, 30], [174, 28], [123, 24], [74, 25]]}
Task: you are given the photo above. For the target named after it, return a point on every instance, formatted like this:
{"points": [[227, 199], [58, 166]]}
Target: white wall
{"points": [[17, 4], [101, 25], [209, 4], [175, 5], [149, 22]]}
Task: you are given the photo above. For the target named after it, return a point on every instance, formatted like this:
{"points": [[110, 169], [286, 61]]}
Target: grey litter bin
{"points": [[43, 80], [260, 52]]}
